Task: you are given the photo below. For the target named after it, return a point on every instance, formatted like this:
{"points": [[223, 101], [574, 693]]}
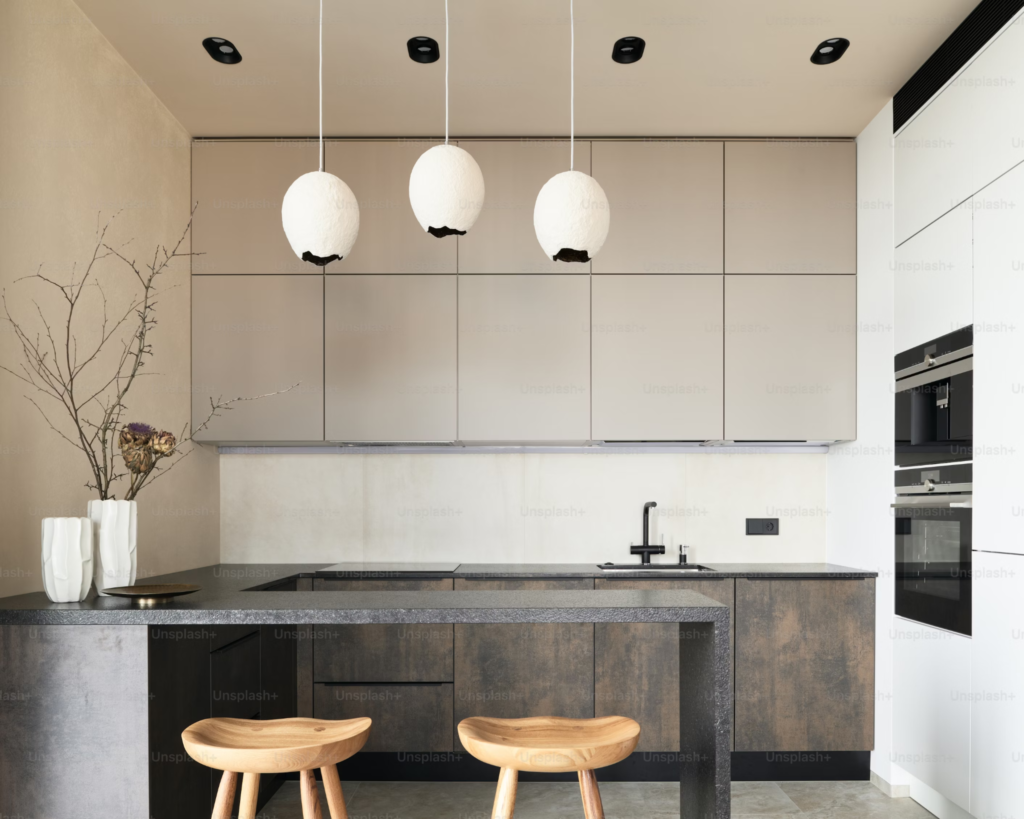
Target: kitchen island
{"points": [[84, 689]]}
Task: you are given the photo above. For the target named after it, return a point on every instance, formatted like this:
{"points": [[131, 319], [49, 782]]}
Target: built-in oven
{"points": [[932, 513], [935, 400]]}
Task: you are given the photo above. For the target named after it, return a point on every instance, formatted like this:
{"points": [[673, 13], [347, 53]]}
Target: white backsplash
{"points": [[516, 507]]}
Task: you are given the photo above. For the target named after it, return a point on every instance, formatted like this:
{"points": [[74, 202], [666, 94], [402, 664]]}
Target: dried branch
{"points": [[51, 363]]}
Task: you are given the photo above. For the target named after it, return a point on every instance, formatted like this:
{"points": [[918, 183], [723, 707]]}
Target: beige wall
{"points": [[494, 508], [81, 134]]}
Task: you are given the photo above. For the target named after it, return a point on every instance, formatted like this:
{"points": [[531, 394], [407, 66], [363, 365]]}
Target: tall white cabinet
{"points": [[999, 365], [997, 669], [932, 721]]}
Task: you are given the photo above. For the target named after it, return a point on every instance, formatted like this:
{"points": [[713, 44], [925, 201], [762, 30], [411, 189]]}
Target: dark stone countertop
{"points": [[243, 593], [231, 594], [356, 570]]}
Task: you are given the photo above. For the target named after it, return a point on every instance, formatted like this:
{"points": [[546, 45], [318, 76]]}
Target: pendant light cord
{"points": [[322, 85], [572, 87], [447, 47]]}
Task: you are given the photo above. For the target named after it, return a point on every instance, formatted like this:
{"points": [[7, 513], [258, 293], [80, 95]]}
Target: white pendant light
{"points": [[320, 213], [571, 216], [446, 187]]}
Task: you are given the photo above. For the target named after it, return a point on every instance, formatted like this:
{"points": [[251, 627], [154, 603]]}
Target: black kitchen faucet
{"points": [[647, 549]]}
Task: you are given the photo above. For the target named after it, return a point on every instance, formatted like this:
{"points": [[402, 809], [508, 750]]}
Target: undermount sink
{"points": [[656, 568]]}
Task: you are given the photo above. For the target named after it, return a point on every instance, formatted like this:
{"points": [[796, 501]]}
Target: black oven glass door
{"points": [[935, 420], [933, 566]]}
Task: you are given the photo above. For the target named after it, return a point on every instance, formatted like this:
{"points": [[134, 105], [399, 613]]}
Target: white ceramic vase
{"points": [[114, 525], [67, 558]]}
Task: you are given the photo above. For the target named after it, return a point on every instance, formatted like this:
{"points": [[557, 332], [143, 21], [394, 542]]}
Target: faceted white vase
{"points": [[67, 558], [114, 536]]}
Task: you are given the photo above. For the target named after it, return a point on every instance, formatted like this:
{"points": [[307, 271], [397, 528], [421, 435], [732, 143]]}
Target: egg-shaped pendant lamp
{"points": [[319, 213], [446, 187], [571, 217], [446, 190]]}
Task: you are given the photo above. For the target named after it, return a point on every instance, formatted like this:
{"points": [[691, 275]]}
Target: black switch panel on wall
{"points": [[762, 526]]}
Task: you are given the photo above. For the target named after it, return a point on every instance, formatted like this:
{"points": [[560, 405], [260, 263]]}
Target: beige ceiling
{"points": [[715, 68]]}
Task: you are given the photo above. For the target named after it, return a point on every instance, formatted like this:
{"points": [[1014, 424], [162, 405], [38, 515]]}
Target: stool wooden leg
{"points": [[505, 798], [592, 807], [225, 796], [250, 793], [310, 796], [335, 798]]}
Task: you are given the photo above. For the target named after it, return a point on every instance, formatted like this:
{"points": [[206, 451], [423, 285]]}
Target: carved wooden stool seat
{"points": [[550, 745], [254, 747]]}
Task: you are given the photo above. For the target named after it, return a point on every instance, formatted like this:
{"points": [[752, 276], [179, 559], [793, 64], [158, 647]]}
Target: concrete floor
{"points": [[622, 800]]}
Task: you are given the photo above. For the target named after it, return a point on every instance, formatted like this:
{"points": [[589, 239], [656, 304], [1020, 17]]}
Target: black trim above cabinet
{"points": [[980, 26]]}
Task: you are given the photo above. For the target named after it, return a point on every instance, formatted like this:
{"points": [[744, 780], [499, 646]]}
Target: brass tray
{"points": [[144, 596]]}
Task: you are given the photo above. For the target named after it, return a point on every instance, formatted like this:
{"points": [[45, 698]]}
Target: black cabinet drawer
{"points": [[221, 636], [412, 717], [235, 679], [393, 653], [278, 683]]}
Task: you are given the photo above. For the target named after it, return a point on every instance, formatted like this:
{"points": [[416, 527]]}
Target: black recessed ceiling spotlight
{"points": [[424, 49], [223, 51], [830, 51], [628, 49]]}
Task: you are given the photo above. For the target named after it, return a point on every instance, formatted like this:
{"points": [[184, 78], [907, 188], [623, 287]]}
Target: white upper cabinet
{"points": [[503, 239], [994, 84], [256, 336], [390, 239], [965, 138], [790, 207], [524, 358], [998, 373], [790, 358], [389, 358], [997, 668], [934, 290], [933, 156], [657, 358], [238, 188], [666, 206]]}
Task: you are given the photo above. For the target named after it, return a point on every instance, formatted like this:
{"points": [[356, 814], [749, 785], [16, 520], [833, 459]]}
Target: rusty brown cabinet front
{"points": [[515, 670], [805, 664], [636, 669]]}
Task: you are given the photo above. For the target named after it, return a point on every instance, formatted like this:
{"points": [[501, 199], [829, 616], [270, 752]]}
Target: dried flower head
{"points": [[135, 435], [163, 443], [138, 459]]}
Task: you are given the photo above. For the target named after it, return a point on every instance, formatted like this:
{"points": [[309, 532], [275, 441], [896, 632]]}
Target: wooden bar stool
{"points": [[551, 745], [254, 747]]}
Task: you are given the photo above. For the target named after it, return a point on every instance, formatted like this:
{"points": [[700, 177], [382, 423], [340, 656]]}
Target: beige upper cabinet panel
{"points": [[390, 348], [657, 349], [239, 187], [790, 207], [254, 335], [790, 358], [390, 239], [524, 358], [503, 239], [666, 206]]}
